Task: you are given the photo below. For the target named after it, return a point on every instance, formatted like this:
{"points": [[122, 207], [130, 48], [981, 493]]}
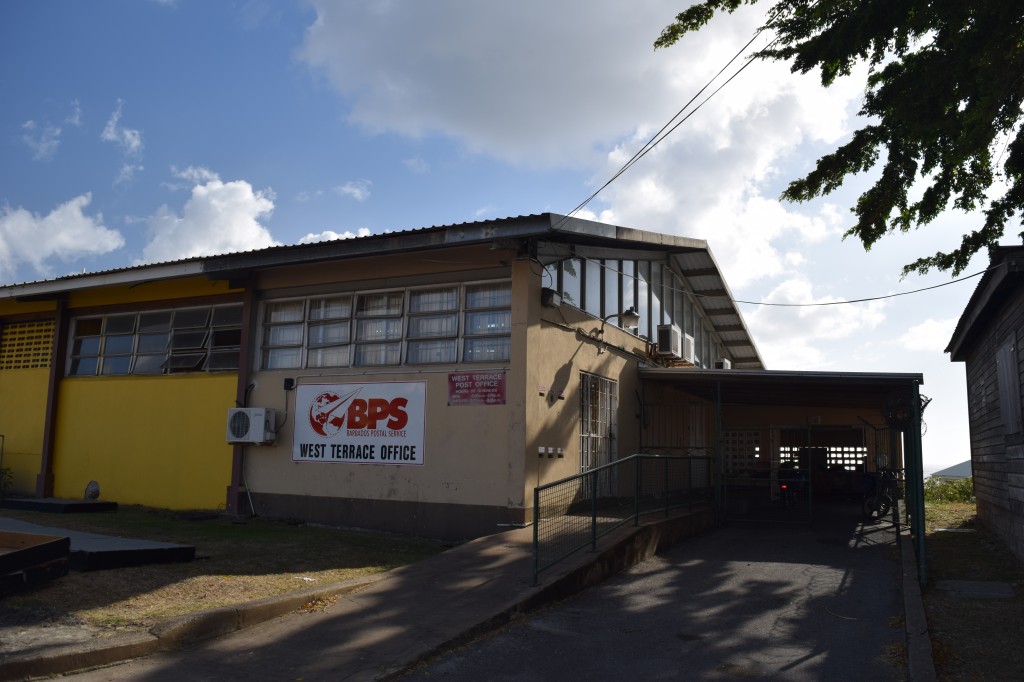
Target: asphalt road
{"points": [[746, 601]]}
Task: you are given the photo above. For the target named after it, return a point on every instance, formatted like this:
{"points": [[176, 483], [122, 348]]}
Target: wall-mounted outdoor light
{"points": [[629, 318]]}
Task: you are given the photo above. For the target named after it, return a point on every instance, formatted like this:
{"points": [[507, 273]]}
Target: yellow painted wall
{"points": [[149, 291], [10, 306], [156, 441], [22, 411]]}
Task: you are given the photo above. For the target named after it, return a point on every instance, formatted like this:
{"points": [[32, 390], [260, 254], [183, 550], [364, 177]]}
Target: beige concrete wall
{"points": [[466, 455], [560, 344]]}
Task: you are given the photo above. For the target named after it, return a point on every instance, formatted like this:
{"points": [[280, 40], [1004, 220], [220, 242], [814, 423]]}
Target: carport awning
{"points": [[770, 387]]}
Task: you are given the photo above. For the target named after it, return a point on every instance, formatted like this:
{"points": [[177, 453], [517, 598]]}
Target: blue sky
{"points": [[142, 131]]}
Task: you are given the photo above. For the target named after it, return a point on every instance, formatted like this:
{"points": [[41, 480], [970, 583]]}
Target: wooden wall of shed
{"points": [[997, 456]]}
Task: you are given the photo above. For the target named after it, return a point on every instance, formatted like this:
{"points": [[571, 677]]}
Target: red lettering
{"points": [[379, 409], [399, 417], [364, 414], [357, 418]]}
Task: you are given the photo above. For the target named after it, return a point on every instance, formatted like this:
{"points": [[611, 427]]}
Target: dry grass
{"points": [[972, 639], [235, 562]]}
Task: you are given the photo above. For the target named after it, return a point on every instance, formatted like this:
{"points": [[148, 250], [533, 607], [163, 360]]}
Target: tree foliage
{"points": [[942, 105]]}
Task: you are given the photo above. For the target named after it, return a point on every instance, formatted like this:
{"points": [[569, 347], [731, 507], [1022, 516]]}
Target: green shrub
{"points": [[959, 490]]}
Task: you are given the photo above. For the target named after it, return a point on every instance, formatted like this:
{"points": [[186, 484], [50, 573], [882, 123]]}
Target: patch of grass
{"points": [[972, 639], [235, 562]]}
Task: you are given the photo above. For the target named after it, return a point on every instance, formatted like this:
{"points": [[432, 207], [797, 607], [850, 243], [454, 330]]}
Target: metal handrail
{"points": [[572, 513]]}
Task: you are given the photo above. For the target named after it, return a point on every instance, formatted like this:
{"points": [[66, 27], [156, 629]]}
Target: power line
{"points": [[665, 130], [695, 295]]}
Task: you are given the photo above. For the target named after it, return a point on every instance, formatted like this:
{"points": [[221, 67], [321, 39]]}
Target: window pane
{"points": [[284, 311], [592, 295], [333, 356], [282, 358], [643, 277], [223, 360], [330, 308], [494, 322], [117, 345], [190, 362], [290, 335], [571, 282], [227, 316], [484, 350], [489, 295], [657, 296], [120, 324], [90, 327], [425, 352], [84, 366], [628, 285], [379, 330], [152, 343], [155, 321], [433, 326], [432, 301], [117, 365], [184, 340], [226, 337], [381, 304], [328, 334], [611, 287], [149, 364], [378, 354], [87, 346], [191, 319]]}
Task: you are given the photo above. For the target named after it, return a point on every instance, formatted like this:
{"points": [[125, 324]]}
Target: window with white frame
{"points": [[199, 339], [368, 329]]}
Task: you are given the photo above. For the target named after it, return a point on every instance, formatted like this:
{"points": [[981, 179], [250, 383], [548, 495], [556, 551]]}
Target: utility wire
{"points": [[666, 130], [799, 305]]}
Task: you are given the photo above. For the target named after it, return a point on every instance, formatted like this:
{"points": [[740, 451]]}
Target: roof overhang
{"points": [[1006, 271], [767, 387]]}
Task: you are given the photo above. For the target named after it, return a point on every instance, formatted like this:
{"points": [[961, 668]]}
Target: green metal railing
{"points": [[573, 513]]}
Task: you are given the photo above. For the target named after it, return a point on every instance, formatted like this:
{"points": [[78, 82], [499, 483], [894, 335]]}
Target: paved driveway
{"points": [[744, 601]]}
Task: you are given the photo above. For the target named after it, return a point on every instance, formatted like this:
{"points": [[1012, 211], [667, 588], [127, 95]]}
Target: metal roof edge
{"points": [[772, 374], [135, 275], [1004, 262]]}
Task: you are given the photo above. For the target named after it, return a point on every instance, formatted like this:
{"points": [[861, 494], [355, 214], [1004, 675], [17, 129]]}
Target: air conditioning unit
{"points": [[723, 363], [689, 351], [670, 341], [251, 425]]}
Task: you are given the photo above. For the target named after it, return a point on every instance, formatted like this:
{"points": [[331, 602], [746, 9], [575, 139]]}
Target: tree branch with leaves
{"points": [[942, 103]]}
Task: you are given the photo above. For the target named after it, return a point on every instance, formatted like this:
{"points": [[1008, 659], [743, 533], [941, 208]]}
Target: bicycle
{"points": [[880, 492]]}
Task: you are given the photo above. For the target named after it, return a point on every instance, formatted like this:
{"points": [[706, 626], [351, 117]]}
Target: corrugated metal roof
{"points": [[691, 256]]}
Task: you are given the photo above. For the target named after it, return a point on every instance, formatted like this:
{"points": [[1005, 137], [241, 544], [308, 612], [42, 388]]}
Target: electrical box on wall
{"points": [[254, 425]]}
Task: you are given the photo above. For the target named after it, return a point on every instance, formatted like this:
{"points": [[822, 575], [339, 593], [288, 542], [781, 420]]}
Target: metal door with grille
{"points": [[598, 403]]}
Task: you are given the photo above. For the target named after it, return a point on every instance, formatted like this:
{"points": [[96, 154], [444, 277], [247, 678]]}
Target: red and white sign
{"points": [[476, 388], [380, 423]]}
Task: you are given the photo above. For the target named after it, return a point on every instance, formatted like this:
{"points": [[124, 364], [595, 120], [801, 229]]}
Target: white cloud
{"points": [[42, 140], [356, 189], [416, 165], [65, 233], [929, 336], [127, 173], [804, 333], [75, 117], [129, 139], [308, 195], [219, 217], [330, 235]]}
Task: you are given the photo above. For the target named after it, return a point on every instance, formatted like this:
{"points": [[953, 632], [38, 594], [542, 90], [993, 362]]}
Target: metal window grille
{"points": [[26, 345]]}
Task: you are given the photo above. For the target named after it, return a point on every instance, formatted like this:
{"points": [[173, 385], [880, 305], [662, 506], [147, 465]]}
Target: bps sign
{"points": [[362, 423]]}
